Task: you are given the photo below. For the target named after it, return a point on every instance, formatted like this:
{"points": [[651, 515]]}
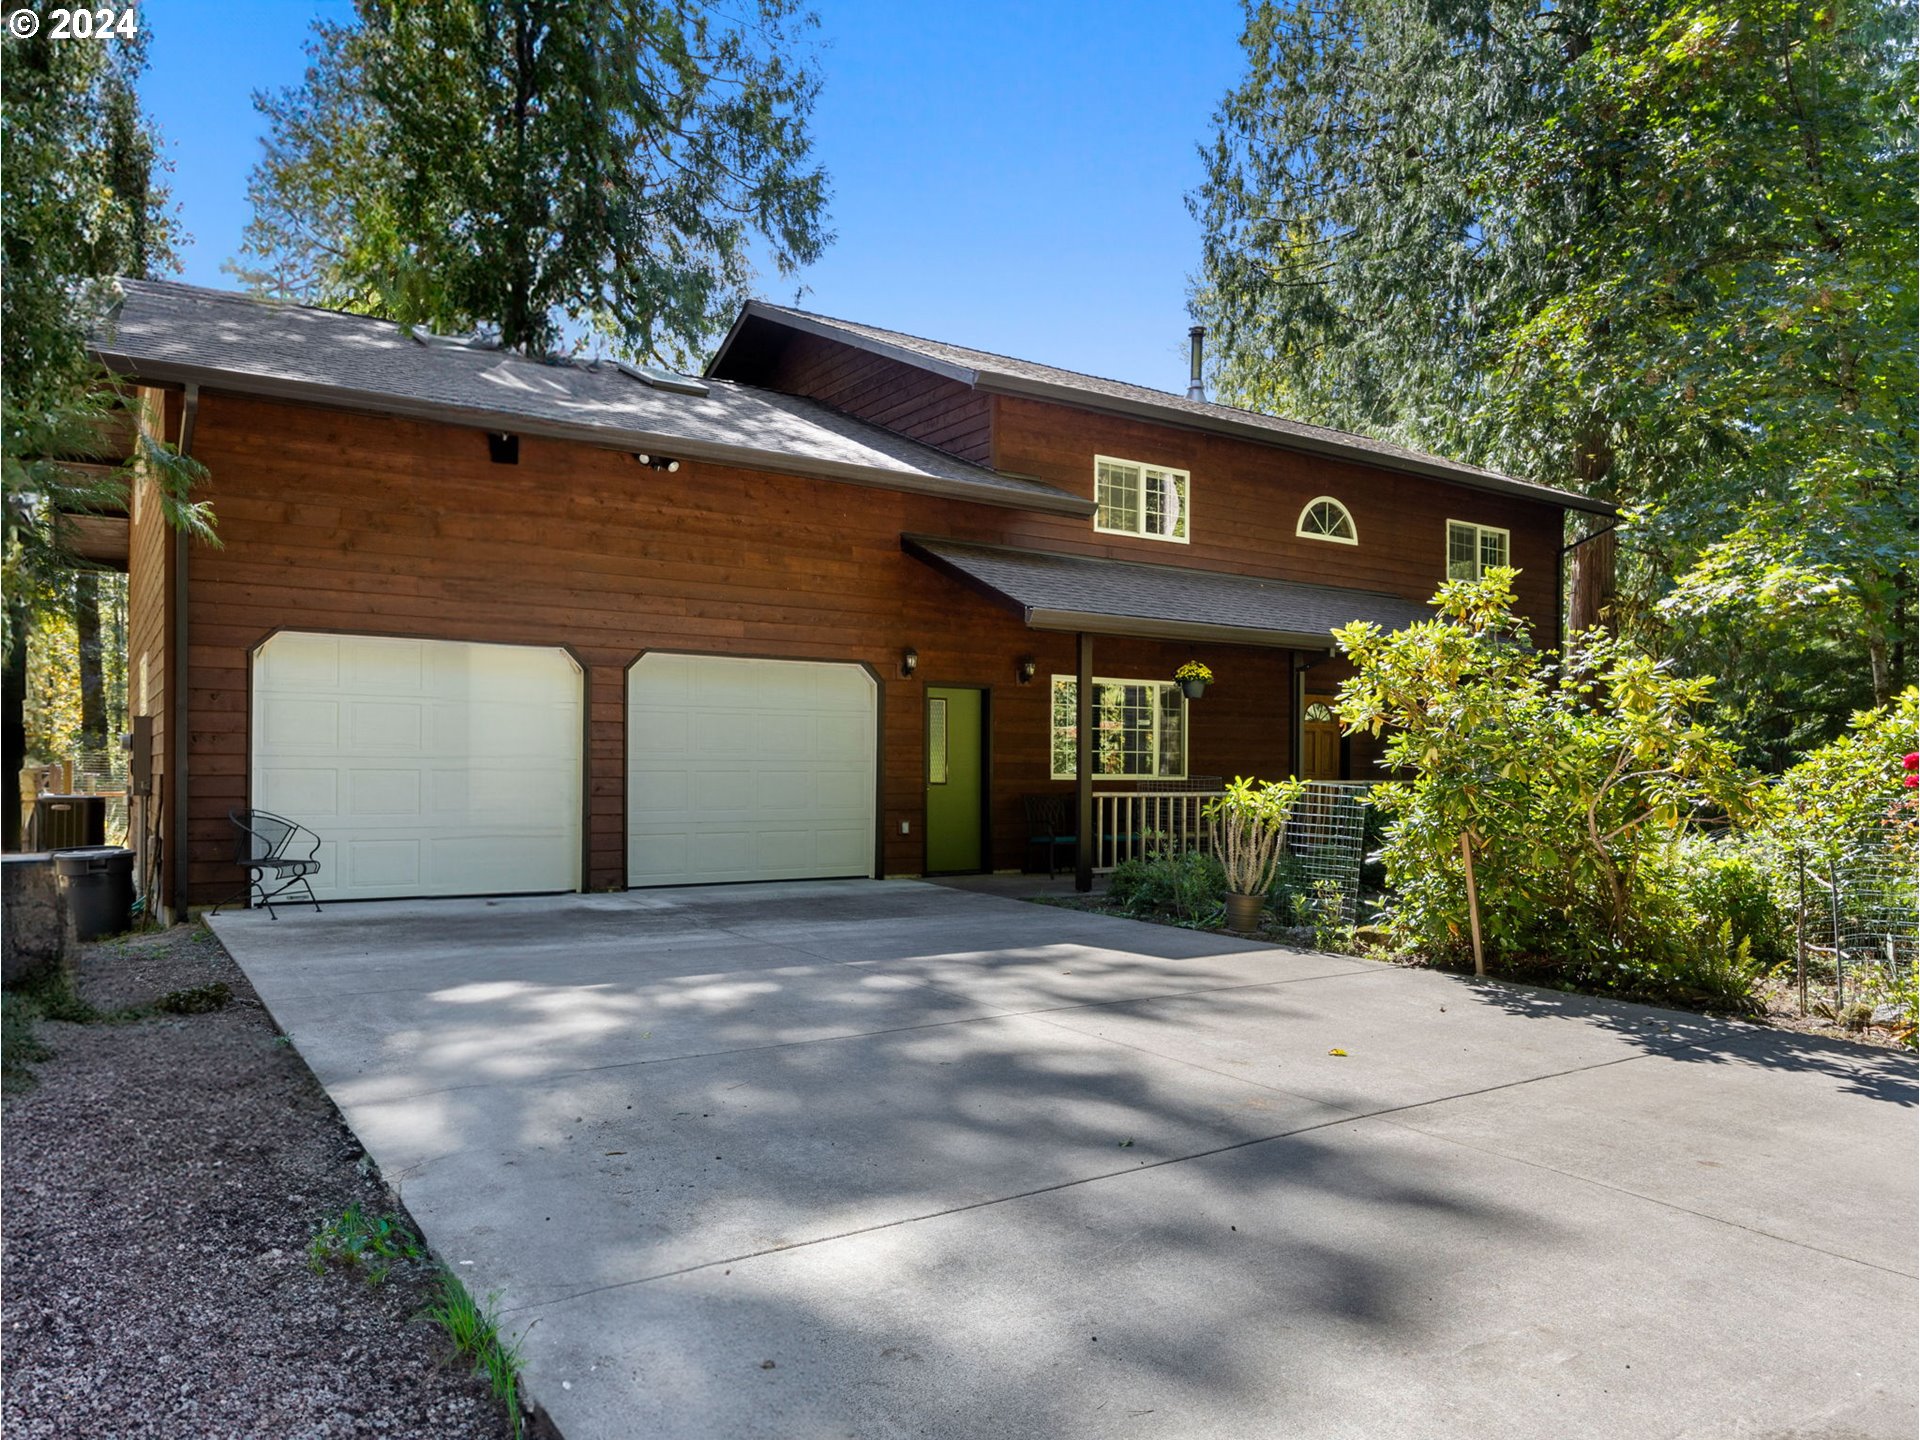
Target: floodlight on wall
{"points": [[909, 661], [1025, 668], [658, 462]]}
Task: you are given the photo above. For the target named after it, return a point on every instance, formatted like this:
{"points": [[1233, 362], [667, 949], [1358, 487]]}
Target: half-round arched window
{"points": [[1325, 518]]}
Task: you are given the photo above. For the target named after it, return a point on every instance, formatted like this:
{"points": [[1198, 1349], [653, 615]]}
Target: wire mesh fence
{"points": [[1856, 935], [1325, 843]]}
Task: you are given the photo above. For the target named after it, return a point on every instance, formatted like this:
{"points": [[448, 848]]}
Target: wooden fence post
{"points": [[1473, 906]]}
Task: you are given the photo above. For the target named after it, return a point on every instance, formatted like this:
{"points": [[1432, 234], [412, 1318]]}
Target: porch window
{"points": [[1137, 499], [1472, 550], [1139, 726]]}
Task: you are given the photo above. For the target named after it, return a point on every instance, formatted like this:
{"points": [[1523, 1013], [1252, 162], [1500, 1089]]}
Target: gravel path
{"points": [[161, 1181]]}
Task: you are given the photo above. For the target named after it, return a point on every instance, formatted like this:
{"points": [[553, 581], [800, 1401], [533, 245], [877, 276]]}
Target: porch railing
{"points": [[1132, 824], [1325, 835]]}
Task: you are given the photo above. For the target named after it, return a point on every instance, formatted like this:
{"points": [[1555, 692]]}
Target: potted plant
{"points": [[1248, 826], [1194, 678]]}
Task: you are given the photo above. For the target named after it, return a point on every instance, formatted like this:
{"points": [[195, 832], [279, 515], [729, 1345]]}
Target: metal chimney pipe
{"points": [[1196, 387]]}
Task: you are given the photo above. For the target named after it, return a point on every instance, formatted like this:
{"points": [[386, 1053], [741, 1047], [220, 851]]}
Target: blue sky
{"points": [[1006, 176]]}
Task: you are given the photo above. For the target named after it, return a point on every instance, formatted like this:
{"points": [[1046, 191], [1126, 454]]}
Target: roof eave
{"points": [[1082, 622], [599, 436]]}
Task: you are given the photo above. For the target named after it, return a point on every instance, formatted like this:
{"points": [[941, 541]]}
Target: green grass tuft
{"points": [[474, 1332], [373, 1244]]}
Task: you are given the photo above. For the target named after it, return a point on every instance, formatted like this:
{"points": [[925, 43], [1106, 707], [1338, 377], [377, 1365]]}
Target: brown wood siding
{"points": [[1246, 500], [1246, 497], [344, 522], [929, 408], [337, 521], [149, 651]]}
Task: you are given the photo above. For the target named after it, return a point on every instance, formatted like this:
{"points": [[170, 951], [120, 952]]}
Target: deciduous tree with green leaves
{"points": [[542, 169], [1569, 777], [1657, 250]]}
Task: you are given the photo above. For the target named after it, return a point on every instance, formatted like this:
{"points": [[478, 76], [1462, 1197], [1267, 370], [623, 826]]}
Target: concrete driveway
{"points": [[883, 1158]]}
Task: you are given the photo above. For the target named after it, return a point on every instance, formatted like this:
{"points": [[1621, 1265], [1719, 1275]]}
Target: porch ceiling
{"points": [[1120, 597]]}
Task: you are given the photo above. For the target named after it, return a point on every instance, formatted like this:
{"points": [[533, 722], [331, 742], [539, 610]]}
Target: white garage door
{"points": [[427, 767], [748, 770]]}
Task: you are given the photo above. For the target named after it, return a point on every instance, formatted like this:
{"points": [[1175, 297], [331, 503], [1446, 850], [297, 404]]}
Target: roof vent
{"points": [[1196, 387], [662, 379], [454, 342]]}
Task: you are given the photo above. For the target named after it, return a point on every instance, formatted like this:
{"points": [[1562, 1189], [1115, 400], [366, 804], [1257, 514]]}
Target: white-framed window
{"points": [[1472, 550], [1325, 518], [1139, 499], [1139, 726]]}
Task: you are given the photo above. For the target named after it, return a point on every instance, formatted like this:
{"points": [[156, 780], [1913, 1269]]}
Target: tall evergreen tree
{"points": [[78, 207], [542, 167], [1658, 250]]}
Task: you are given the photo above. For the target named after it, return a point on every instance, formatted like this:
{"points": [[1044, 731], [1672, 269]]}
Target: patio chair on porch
{"points": [[1050, 824], [270, 848]]}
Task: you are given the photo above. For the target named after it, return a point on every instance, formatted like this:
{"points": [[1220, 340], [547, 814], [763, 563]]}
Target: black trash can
{"points": [[99, 885]]}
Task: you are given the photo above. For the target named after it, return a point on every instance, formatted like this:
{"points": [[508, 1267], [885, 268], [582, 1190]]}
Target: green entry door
{"points": [[956, 775]]}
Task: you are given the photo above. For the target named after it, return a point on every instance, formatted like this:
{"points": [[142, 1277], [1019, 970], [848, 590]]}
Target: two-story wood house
{"points": [[493, 624]]}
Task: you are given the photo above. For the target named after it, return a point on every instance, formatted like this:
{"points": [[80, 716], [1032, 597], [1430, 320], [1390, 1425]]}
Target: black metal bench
{"points": [[267, 848]]}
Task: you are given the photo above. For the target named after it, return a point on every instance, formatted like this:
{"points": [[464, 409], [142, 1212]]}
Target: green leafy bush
{"points": [[1726, 881], [1189, 885], [1569, 779]]}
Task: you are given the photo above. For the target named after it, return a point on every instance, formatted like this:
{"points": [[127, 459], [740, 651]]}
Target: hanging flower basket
{"points": [[1194, 678]]}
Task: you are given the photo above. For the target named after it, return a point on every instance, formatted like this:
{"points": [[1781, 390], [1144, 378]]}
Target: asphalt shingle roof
{"points": [[164, 331], [1081, 592], [987, 371]]}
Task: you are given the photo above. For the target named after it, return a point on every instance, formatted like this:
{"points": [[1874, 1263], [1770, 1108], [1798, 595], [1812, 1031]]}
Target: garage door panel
{"points": [[748, 770], [295, 724], [428, 767], [378, 729], [383, 792], [290, 791]]}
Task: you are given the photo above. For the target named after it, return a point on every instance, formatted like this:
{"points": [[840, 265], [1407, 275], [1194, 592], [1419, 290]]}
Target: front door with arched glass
{"points": [[1319, 740]]}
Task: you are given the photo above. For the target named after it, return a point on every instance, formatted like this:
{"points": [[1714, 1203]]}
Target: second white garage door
{"points": [[426, 766], [748, 770]]}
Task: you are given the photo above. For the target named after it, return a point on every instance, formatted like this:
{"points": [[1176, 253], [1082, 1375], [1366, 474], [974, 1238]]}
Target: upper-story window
{"points": [[1325, 518], [1137, 499], [1472, 550]]}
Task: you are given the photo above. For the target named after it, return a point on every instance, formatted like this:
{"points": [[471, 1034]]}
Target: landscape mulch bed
{"points": [[161, 1180]]}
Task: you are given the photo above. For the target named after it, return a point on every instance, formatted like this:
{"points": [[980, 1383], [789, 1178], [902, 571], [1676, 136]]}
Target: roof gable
{"points": [[1001, 374], [165, 332]]}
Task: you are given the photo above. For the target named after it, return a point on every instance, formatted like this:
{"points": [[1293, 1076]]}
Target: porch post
{"points": [[1083, 765]]}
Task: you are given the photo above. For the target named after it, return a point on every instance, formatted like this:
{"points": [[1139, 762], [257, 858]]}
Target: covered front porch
{"points": [[1132, 759]]}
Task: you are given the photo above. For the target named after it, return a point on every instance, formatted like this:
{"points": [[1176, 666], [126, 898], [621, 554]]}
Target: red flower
{"points": [[1912, 762], [1913, 782]]}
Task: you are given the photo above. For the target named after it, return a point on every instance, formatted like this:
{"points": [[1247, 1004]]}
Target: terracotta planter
{"points": [[1243, 912], [1194, 688]]}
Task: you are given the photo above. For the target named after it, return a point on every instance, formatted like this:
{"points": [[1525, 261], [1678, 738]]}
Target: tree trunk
{"points": [[1590, 602], [93, 681], [13, 729], [1591, 593]]}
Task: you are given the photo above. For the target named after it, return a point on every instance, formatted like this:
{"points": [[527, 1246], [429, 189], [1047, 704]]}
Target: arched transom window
{"points": [[1326, 518]]}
